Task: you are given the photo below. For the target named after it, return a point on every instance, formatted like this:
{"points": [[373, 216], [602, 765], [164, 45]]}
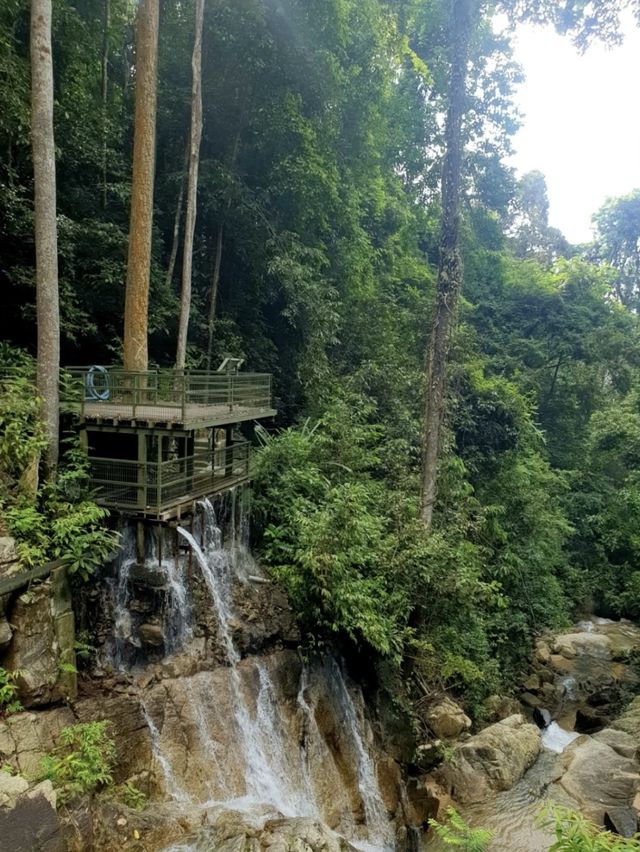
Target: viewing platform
{"points": [[187, 399], [159, 441]]}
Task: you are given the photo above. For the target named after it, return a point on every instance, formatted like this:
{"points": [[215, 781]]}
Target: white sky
{"points": [[581, 123]]}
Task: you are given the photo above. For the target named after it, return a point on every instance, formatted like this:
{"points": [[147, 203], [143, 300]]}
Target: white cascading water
{"points": [[122, 621], [275, 775], [380, 829], [177, 615], [173, 788]]}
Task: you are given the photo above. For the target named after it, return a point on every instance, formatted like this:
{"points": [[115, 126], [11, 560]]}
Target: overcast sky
{"points": [[581, 124]]}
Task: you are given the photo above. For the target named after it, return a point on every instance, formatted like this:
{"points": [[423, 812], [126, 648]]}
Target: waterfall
{"points": [[173, 788], [177, 616], [275, 765], [260, 734], [120, 594], [380, 830]]}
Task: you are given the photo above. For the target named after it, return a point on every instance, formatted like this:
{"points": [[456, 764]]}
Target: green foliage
{"points": [[54, 521], [9, 701], [131, 796], [456, 833], [81, 762], [574, 833]]}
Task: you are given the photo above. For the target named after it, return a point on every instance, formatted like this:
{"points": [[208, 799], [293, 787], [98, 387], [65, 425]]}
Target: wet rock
{"points": [[597, 777], [619, 741], [589, 721], [532, 683], [530, 700], [233, 832], [8, 554], [494, 759], [26, 737], [542, 652], [541, 717], [147, 574], [561, 665], [151, 634], [32, 651], [447, 719], [622, 821], [5, 633], [425, 799], [128, 728], [498, 707], [571, 645], [389, 782], [28, 818]]}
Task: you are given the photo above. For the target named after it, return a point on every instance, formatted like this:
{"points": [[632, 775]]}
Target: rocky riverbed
{"points": [[585, 756]]}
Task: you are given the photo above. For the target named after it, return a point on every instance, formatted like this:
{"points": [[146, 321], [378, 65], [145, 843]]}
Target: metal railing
{"points": [[175, 395], [154, 488]]}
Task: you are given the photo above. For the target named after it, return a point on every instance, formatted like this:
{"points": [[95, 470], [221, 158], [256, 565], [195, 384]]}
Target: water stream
{"points": [[276, 769]]}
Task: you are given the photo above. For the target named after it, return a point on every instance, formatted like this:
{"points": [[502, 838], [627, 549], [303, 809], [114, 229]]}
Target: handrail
{"points": [[169, 392], [155, 486]]}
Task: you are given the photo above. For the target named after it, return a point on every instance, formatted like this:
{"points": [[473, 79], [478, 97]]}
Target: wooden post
{"points": [[159, 475], [228, 452], [142, 470]]}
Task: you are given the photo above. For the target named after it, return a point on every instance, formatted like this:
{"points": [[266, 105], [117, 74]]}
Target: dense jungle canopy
{"points": [[315, 256]]}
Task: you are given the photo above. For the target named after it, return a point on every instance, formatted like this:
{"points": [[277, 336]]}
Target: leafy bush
{"points": [[575, 833], [9, 702], [82, 761], [131, 796], [456, 833], [56, 521]]}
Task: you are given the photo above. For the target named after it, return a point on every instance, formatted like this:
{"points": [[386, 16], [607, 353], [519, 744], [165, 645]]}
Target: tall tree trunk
{"points": [[46, 238], [192, 187], [144, 145], [217, 261], [175, 240], [215, 280], [450, 270], [105, 93]]}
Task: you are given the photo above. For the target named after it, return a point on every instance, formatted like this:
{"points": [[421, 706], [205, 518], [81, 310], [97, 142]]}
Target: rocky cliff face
{"points": [[214, 713]]}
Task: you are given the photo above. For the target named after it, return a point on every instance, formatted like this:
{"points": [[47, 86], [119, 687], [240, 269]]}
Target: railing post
{"points": [[230, 391], [136, 391], [159, 476], [184, 396]]}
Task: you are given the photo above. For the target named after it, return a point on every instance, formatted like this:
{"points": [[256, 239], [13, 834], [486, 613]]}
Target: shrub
{"points": [[574, 833], [455, 832], [82, 761], [9, 702]]}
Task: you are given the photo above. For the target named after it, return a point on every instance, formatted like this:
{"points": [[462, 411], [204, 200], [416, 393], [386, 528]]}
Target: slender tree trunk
{"points": [[144, 145], [215, 280], [175, 240], [44, 173], [450, 270], [217, 262], [192, 187], [105, 93]]}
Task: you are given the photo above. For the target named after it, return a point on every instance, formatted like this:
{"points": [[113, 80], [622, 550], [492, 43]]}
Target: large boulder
{"points": [[493, 760], [447, 719], [41, 648], [233, 831], [599, 777], [25, 738], [8, 555], [28, 818], [570, 645]]}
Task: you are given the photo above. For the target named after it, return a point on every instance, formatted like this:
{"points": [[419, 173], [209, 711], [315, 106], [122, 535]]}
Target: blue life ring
{"points": [[90, 390]]}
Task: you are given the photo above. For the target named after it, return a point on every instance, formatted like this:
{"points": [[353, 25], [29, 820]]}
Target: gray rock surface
{"points": [[493, 760]]}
